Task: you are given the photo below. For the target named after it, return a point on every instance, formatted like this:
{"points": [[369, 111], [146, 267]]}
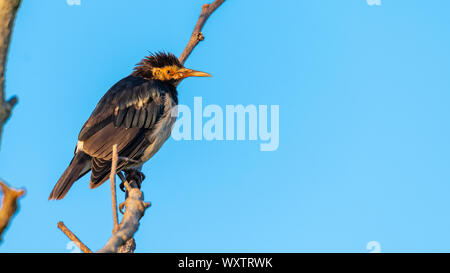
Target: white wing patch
{"points": [[79, 146]]}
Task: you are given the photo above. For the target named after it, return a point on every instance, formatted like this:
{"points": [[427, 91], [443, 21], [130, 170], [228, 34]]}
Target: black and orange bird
{"points": [[137, 113]]}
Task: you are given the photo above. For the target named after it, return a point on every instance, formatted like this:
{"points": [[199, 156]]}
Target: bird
{"points": [[137, 113]]}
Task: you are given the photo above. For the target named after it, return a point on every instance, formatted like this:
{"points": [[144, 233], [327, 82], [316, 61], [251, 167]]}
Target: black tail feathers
{"points": [[76, 169]]}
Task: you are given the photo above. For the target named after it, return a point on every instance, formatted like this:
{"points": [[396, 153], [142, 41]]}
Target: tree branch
{"points": [[9, 205], [8, 10], [135, 208], [112, 178], [73, 237], [197, 34]]}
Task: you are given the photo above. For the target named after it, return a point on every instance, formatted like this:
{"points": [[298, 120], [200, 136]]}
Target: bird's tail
{"points": [[77, 168]]}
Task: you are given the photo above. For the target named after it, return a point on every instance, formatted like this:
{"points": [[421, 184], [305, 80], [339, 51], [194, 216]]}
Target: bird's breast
{"points": [[162, 129]]}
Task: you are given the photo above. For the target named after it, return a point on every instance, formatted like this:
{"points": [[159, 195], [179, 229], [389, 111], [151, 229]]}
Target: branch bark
{"points": [[73, 237], [9, 205], [112, 178], [197, 34], [135, 209], [8, 10]]}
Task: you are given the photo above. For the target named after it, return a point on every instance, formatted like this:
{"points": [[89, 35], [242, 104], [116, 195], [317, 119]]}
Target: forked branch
{"points": [[122, 238], [8, 10]]}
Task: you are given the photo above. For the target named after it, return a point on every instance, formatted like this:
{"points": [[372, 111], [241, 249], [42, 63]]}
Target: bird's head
{"points": [[165, 67]]}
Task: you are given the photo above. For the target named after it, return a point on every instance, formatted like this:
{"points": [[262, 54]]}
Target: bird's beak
{"points": [[186, 72]]}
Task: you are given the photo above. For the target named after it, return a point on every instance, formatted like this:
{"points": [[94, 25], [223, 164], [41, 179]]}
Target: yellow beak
{"points": [[186, 72]]}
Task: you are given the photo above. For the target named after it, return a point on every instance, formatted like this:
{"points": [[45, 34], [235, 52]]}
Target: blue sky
{"points": [[363, 93]]}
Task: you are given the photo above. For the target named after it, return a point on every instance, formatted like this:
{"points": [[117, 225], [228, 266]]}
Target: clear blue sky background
{"points": [[364, 153]]}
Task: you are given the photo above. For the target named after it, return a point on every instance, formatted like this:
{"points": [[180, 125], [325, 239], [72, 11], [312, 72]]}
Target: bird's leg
{"points": [[122, 185], [134, 178], [133, 175]]}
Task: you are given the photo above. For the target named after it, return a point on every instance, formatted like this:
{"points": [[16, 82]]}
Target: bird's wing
{"points": [[126, 111]]}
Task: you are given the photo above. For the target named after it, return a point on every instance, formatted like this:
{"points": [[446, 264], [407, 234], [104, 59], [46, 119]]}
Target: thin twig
{"points": [[124, 158], [9, 205], [73, 238], [112, 178], [197, 34]]}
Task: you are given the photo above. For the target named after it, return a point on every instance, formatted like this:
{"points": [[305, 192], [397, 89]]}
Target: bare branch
{"points": [[9, 205], [73, 238], [112, 178], [197, 34], [135, 208], [8, 10]]}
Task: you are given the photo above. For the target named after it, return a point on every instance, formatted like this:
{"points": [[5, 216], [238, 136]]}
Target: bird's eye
{"points": [[168, 71]]}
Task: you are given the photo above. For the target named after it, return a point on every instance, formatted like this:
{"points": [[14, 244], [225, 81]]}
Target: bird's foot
{"points": [[121, 206], [132, 175], [123, 178]]}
